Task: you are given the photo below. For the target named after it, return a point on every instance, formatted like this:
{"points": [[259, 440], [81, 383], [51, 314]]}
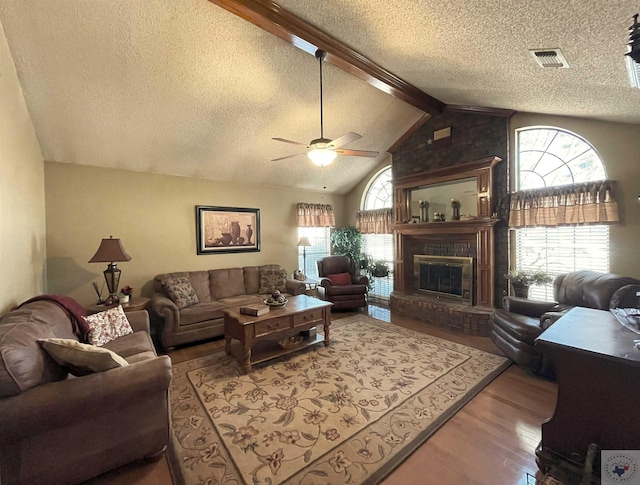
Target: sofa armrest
{"points": [[63, 403], [139, 321], [167, 312], [549, 318], [324, 282], [295, 287], [524, 306]]}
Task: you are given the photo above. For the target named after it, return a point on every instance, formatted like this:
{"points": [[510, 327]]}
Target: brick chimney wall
{"points": [[473, 136]]}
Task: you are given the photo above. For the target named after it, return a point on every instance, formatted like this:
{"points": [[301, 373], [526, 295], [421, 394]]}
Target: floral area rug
{"points": [[346, 413]]}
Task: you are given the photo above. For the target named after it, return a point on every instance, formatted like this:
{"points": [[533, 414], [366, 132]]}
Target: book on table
{"points": [[254, 310]]}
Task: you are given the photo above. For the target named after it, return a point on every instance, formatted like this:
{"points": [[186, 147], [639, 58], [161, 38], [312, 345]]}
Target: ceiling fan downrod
{"points": [[320, 55]]}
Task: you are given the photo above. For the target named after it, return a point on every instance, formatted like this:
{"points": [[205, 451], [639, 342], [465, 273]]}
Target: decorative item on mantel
{"points": [[455, 207], [424, 210]]}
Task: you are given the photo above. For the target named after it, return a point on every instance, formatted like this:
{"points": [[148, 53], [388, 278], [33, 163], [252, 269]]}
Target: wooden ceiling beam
{"points": [[274, 19]]}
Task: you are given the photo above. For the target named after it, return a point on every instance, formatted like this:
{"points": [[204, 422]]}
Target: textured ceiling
{"points": [[184, 87]]}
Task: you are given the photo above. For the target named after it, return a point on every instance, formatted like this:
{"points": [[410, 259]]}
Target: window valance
{"points": [[377, 221], [567, 205], [315, 215]]}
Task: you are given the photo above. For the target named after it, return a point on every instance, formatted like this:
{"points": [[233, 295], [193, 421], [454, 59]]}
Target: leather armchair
{"points": [[350, 294], [521, 321]]}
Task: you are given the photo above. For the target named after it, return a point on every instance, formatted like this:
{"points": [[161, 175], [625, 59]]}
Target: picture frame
{"points": [[227, 229]]}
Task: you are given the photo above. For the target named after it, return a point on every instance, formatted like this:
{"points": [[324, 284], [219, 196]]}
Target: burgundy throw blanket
{"points": [[74, 311]]}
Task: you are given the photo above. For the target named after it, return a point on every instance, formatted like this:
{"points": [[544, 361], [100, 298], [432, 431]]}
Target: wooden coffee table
{"points": [[259, 336]]}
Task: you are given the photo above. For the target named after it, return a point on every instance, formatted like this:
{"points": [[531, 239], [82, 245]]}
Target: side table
{"points": [[312, 287], [135, 303]]}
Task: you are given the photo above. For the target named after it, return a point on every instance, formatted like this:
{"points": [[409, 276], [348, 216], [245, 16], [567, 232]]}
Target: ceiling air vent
{"points": [[549, 57]]}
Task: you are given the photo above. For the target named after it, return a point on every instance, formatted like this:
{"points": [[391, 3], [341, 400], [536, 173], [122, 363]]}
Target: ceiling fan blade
{"points": [[289, 141], [358, 153], [288, 156], [344, 139]]}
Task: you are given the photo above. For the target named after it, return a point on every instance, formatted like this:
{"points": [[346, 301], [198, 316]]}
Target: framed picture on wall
{"points": [[227, 229]]}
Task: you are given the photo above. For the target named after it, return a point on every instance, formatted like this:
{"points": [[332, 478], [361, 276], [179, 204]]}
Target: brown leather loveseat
{"points": [[521, 321], [59, 429], [215, 290]]}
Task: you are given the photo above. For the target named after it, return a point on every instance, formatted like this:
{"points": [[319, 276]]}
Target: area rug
{"points": [[346, 413]]}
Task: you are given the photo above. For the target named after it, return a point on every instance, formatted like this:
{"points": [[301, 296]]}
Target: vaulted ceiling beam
{"points": [[278, 21]]}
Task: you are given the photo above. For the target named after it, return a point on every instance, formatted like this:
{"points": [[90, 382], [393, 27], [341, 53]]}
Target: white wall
{"points": [[22, 209]]}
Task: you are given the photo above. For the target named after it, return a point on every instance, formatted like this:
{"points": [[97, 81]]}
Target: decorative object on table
{"points": [[219, 229], [455, 208], [289, 342], [424, 210], [299, 275], [304, 243], [276, 300], [311, 333], [392, 421], [521, 280], [111, 251], [126, 294], [254, 310], [98, 292]]}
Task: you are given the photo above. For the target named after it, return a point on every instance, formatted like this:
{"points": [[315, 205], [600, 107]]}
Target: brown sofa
{"points": [[216, 290], [59, 429], [521, 321]]}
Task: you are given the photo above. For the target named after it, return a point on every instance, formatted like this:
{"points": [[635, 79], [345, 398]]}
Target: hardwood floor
{"points": [[489, 441]]}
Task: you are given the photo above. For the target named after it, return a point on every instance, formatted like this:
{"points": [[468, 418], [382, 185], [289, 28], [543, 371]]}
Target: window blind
{"points": [[380, 247], [320, 239]]}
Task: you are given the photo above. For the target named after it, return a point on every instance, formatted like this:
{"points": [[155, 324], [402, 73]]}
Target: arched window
{"points": [[379, 195], [547, 157]]}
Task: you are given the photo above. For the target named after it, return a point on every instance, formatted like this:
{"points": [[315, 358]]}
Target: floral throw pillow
{"points": [[181, 292], [272, 279], [108, 325]]}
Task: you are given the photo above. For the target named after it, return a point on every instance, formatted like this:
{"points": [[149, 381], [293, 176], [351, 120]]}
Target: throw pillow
{"points": [[81, 359], [181, 292], [108, 325], [272, 279], [340, 279]]}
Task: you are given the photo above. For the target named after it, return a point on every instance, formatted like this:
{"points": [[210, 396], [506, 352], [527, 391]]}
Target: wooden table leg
{"points": [[246, 360], [327, 324], [227, 344]]}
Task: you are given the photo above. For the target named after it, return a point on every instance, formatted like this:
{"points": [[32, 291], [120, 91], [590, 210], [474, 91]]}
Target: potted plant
{"points": [[379, 269], [347, 241], [521, 280]]}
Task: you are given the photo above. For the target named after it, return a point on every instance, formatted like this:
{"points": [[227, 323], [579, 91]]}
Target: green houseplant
{"points": [[347, 241], [521, 280], [379, 269]]}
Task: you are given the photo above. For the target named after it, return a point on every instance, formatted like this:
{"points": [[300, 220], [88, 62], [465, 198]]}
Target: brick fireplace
{"points": [[470, 238]]}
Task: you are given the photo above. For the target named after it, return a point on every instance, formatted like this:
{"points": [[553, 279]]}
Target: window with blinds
{"points": [[549, 157], [320, 238], [379, 195]]}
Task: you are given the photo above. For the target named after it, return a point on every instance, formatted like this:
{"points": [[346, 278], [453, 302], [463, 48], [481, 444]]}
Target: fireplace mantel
{"points": [[477, 232]]}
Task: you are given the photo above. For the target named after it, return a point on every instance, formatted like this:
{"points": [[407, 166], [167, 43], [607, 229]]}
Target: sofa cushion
{"points": [[23, 364], [589, 289], [226, 282], [340, 279], [272, 278], [203, 311], [200, 282], [128, 346], [81, 359], [181, 292], [108, 325], [251, 279]]}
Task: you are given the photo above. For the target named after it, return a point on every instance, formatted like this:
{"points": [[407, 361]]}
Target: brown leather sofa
{"points": [[217, 289], [352, 294], [521, 321], [59, 429]]}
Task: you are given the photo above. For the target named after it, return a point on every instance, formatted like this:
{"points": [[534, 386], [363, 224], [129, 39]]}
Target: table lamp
{"points": [[111, 251], [305, 243]]}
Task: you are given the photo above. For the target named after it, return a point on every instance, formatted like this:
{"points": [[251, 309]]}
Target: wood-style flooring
{"points": [[489, 441]]}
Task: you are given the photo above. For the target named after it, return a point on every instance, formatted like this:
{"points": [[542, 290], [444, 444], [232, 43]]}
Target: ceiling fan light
{"points": [[322, 156]]}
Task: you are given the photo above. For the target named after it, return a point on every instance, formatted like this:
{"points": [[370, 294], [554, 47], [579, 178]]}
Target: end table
{"points": [[135, 303]]}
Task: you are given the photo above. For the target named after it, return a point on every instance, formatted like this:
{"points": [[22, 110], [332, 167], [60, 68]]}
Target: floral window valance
{"points": [[376, 221], [315, 215], [568, 205]]}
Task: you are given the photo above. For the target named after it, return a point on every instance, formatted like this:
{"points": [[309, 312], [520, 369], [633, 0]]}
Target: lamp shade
{"points": [[110, 251], [304, 241]]}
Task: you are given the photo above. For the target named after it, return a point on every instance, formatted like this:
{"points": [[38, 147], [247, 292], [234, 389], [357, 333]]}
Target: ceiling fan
{"points": [[323, 151]]}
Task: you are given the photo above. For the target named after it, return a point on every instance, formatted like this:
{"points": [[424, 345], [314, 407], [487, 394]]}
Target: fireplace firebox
{"points": [[447, 277]]}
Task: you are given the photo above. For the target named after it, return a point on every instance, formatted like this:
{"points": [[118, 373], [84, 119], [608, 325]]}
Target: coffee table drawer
{"points": [[307, 317], [272, 325]]}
